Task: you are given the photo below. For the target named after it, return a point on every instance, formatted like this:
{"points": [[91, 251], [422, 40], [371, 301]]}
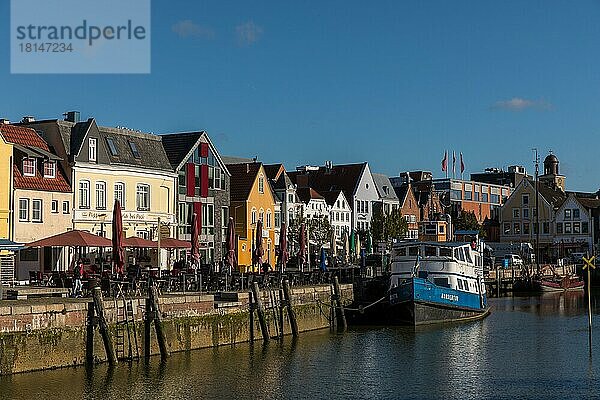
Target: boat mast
{"points": [[537, 212]]}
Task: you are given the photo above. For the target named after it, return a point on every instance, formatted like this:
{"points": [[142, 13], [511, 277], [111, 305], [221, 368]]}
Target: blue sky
{"points": [[394, 83]]}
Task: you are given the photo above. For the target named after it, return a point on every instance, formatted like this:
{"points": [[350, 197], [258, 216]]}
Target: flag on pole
{"points": [[453, 163], [445, 162], [462, 164]]}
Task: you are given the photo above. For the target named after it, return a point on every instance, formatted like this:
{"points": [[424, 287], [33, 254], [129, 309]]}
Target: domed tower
{"points": [[551, 176]]}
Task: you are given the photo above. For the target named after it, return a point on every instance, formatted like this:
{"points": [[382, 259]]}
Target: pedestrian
{"points": [[77, 274]]}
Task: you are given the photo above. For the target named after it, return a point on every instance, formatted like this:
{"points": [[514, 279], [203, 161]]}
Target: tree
{"points": [[319, 230], [385, 227], [467, 221]]}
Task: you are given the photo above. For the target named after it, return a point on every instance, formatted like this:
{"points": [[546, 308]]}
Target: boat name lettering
{"points": [[451, 297]]}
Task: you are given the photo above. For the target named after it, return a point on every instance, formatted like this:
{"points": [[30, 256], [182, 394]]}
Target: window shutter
{"points": [[204, 181], [190, 178], [204, 150]]}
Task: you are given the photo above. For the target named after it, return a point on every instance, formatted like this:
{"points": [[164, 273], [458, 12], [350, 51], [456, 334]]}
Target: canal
{"points": [[528, 348]]}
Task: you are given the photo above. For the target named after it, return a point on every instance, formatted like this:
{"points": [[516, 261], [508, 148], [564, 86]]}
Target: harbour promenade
{"points": [[47, 333]]}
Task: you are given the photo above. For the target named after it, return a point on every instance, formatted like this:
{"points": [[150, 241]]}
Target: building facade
{"points": [[574, 228], [340, 213], [203, 183]]}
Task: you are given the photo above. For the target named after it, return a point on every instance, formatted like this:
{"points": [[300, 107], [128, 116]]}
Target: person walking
{"points": [[77, 274]]}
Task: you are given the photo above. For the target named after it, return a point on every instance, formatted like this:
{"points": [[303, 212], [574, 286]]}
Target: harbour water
{"points": [[528, 348]]}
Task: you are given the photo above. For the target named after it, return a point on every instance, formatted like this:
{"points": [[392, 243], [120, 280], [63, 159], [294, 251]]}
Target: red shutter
{"points": [[204, 181], [204, 150], [198, 211], [190, 178]]}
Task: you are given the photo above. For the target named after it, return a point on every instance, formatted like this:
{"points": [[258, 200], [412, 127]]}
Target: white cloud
{"points": [[188, 29], [248, 33], [520, 104]]}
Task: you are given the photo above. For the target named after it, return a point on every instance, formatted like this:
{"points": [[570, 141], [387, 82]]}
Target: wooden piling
{"points": [[497, 281], [332, 312], [103, 326], [147, 328], [338, 299], [251, 306], [287, 293], [281, 301], [89, 338], [158, 324], [261, 312]]}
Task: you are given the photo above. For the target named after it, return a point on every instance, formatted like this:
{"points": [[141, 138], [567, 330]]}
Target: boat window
{"points": [[458, 253], [441, 282], [413, 250], [430, 251], [468, 255], [460, 284], [401, 251], [466, 285], [445, 252]]}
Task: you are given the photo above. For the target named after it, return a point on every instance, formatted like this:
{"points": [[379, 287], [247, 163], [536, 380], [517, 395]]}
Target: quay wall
{"points": [[48, 333]]}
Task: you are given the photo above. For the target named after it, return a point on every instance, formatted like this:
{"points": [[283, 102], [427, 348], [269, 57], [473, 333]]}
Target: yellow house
{"points": [[252, 200], [6, 151]]}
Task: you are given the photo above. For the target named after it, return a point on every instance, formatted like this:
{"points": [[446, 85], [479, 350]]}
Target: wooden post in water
{"points": [[261, 312], [103, 326], [147, 328], [281, 301], [251, 307], [497, 281], [89, 339], [158, 324], [338, 299], [332, 313], [287, 293], [588, 263]]}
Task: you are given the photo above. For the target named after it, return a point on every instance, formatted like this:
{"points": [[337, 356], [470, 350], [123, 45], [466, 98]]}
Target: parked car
{"points": [[514, 260]]}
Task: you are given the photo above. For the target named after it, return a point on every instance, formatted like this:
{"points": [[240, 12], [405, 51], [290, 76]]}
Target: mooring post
{"points": [[332, 313], [89, 336], [251, 307], [497, 281], [338, 297], [158, 324], [287, 293], [261, 311], [148, 318], [103, 326], [281, 301]]}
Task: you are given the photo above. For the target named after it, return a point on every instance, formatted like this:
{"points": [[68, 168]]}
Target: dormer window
{"points": [[92, 149], [29, 165], [134, 149], [50, 169]]}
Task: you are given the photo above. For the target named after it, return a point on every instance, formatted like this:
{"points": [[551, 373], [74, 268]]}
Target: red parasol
{"points": [[282, 253], [302, 246], [195, 251], [258, 251], [72, 238], [117, 239], [231, 258], [171, 243]]}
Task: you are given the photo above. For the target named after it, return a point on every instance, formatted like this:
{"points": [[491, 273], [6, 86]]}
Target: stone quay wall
{"points": [[50, 333]]}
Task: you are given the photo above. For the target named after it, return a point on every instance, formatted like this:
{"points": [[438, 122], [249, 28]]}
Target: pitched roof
{"points": [[401, 192], [343, 177], [23, 136], [331, 196], [179, 145], [273, 171], [307, 194], [588, 202], [384, 187], [151, 151], [242, 179], [553, 196], [236, 160]]}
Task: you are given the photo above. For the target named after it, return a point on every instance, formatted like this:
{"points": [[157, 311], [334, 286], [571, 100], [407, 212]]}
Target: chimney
{"points": [[72, 116], [27, 119], [247, 168], [4, 121]]}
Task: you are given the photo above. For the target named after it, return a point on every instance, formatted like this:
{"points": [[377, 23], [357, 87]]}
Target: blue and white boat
{"points": [[434, 282]]}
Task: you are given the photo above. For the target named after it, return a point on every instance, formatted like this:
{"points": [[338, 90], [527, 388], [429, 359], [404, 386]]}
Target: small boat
{"points": [[559, 284], [436, 282]]}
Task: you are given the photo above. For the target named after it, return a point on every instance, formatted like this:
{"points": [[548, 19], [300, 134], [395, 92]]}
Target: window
{"points": [[516, 213], [290, 198], [576, 227], [567, 227], [526, 213], [54, 206], [261, 216], [23, 209], [576, 213], [101, 195], [120, 193], [468, 195], [66, 208], [495, 199], [29, 165], [217, 179], [134, 149], [112, 148], [143, 197], [36, 210], [347, 217], [84, 194], [253, 216], [50, 169], [568, 214], [585, 228], [545, 228], [208, 219], [517, 228], [261, 184], [525, 228], [366, 206], [92, 151], [268, 218], [559, 228], [507, 228], [525, 199]]}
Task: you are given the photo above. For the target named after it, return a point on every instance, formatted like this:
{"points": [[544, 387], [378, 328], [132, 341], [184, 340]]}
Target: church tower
{"points": [[551, 175]]}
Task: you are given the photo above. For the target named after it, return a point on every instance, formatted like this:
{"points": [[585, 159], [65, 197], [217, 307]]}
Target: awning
{"points": [[73, 238], [6, 244], [139, 243], [171, 243]]}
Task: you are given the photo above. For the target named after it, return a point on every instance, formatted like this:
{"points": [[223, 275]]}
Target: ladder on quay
{"points": [[126, 332]]}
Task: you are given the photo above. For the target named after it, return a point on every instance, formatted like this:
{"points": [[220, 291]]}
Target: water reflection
{"points": [[528, 347]]}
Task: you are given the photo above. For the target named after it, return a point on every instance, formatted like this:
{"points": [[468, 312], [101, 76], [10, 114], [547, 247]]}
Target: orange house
{"points": [[252, 200]]}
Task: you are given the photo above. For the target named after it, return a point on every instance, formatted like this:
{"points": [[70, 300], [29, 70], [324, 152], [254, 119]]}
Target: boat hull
{"points": [[418, 302], [566, 284]]}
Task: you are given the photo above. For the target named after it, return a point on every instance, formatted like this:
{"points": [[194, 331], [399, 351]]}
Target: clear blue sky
{"points": [[390, 82]]}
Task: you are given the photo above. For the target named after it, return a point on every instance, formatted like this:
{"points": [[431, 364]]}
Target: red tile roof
{"points": [[38, 182], [23, 136]]}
